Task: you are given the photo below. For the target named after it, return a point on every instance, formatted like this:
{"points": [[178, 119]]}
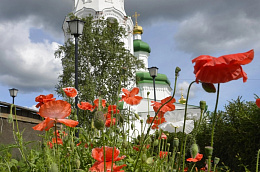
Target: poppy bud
{"points": [[202, 105], [121, 119], [216, 160], [168, 144], [99, 120], [149, 160], [208, 150], [137, 116], [10, 118], [208, 87], [132, 126], [125, 144], [176, 142], [54, 168], [177, 70], [155, 143], [194, 150], [148, 93], [142, 121]]}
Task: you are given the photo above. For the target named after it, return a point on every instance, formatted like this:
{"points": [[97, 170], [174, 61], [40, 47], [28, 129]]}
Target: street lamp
{"points": [[153, 73], [13, 93], [76, 28]]}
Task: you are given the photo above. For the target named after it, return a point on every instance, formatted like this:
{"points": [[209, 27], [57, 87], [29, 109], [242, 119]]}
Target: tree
{"points": [[237, 135], [104, 64]]}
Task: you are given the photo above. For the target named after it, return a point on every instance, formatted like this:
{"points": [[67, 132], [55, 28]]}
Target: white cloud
{"points": [[26, 65]]}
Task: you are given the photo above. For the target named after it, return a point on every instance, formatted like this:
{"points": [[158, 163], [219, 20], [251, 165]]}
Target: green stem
{"points": [[149, 128], [184, 124], [214, 116], [104, 149]]}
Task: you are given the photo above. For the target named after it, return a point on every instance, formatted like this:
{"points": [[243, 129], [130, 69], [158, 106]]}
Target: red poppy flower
{"points": [[223, 69], [103, 103], [197, 158], [112, 109], [50, 144], [138, 146], [130, 96], [59, 141], [157, 121], [163, 154], [257, 102], [98, 154], [55, 111], [70, 91], [167, 107], [99, 167], [44, 99], [86, 106], [163, 136], [109, 123]]}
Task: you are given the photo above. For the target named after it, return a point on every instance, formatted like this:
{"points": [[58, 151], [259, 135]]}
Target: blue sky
{"points": [[177, 31]]}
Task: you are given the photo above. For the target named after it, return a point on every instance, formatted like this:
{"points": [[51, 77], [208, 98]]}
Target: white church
{"points": [[114, 9]]}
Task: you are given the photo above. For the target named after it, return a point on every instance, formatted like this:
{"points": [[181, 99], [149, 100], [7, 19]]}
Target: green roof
{"points": [[144, 77], [140, 45]]}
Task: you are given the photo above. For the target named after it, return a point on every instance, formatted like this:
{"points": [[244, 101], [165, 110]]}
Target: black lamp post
{"points": [[153, 73], [13, 93], [76, 28]]}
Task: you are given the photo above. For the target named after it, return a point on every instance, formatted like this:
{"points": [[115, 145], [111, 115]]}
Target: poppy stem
{"points": [[184, 124], [149, 128], [214, 116]]}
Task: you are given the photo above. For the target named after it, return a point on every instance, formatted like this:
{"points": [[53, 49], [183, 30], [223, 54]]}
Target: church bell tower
{"points": [[107, 9]]}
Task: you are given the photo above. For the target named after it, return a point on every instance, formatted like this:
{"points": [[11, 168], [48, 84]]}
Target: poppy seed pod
{"points": [[155, 143], [209, 87], [216, 160], [10, 118], [144, 157], [208, 150], [77, 162], [149, 160], [176, 142], [99, 120], [194, 150], [148, 93], [202, 105], [54, 168]]}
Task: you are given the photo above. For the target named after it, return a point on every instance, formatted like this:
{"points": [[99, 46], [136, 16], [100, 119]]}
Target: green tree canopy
{"points": [[104, 64]]}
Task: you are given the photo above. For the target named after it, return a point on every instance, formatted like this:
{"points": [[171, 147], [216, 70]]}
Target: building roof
{"points": [[140, 45], [144, 77]]}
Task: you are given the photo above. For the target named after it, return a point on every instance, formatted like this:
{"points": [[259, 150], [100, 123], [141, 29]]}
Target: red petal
{"points": [[134, 91], [257, 102], [68, 122], [55, 109]]}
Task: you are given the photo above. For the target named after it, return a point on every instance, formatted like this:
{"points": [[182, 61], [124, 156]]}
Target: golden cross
{"points": [[135, 16]]}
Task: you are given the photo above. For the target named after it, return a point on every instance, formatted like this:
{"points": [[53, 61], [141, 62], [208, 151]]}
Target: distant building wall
{"points": [[26, 118]]}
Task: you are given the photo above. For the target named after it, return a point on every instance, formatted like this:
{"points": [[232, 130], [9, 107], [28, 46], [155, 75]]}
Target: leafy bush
{"points": [[237, 135]]}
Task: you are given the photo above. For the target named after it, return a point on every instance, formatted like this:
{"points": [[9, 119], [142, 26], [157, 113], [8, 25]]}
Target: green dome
{"points": [[140, 45], [144, 77]]}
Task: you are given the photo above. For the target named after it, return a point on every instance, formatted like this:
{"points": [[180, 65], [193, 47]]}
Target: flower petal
{"points": [[55, 109], [68, 122]]}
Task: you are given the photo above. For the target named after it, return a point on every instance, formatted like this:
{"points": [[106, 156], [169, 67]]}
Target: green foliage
{"points": [[237, 135], [104, 64]]}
